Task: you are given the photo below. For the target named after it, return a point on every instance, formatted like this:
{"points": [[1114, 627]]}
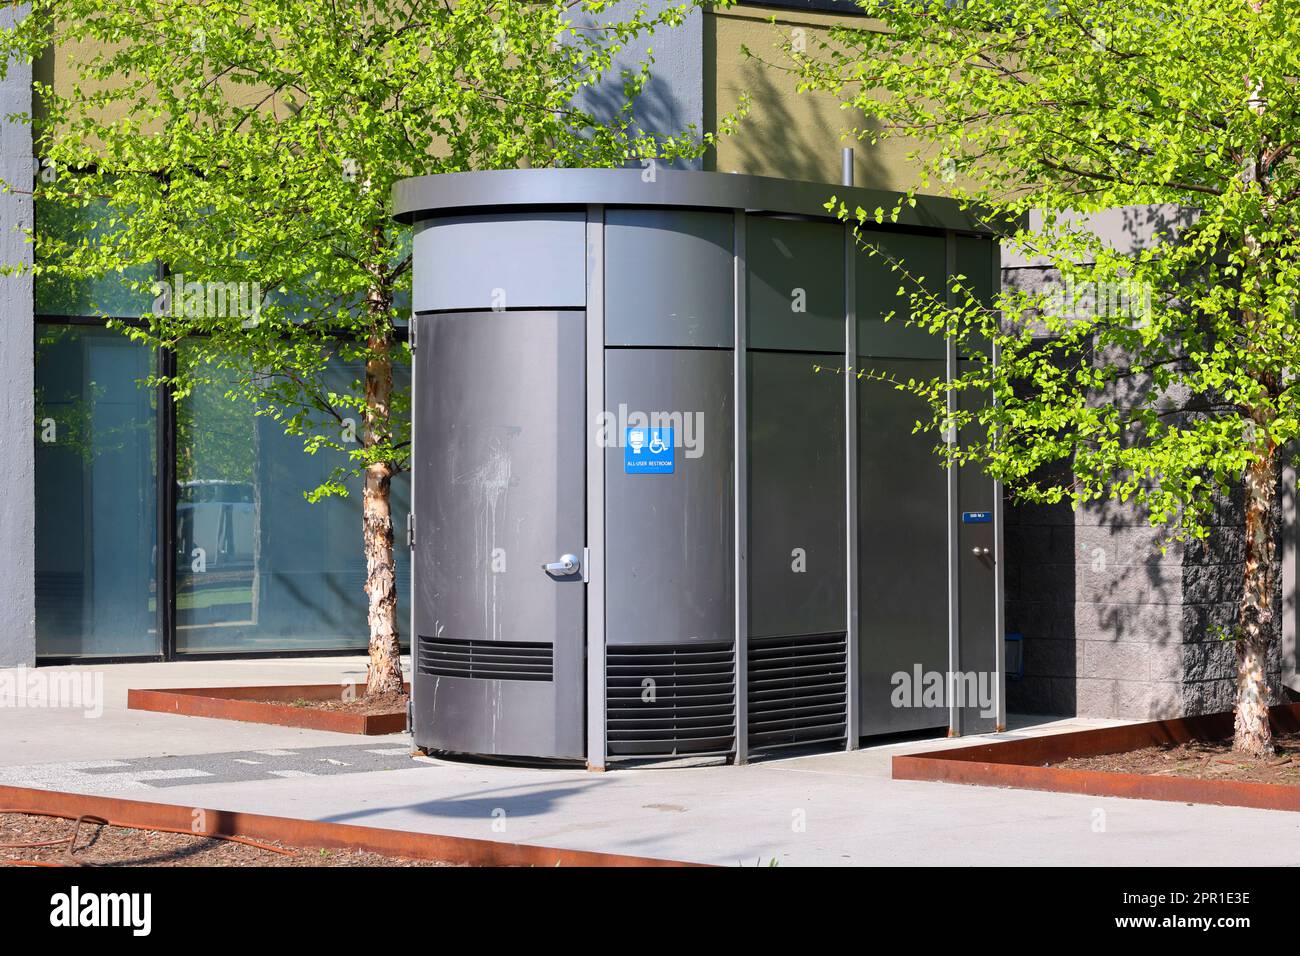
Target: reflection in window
{"points": [[95, 494], [259, 568]]}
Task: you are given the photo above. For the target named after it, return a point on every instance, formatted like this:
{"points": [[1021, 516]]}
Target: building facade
{"points": [[135, 528]]}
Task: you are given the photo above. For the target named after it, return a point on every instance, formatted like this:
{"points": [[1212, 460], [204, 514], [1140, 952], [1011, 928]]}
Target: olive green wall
{"points": [[787, 133]]}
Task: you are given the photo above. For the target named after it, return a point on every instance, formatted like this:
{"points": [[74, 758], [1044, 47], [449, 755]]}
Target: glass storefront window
{"points": [[96, 467], [260, 568]]}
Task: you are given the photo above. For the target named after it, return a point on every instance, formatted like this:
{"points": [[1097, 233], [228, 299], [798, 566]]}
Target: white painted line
{"points": [[180, 773], [277, 753], [290, 774]]}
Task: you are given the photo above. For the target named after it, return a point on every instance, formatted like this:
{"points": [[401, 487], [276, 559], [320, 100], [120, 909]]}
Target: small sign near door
{"points": [[648, 451], [976, 517]]}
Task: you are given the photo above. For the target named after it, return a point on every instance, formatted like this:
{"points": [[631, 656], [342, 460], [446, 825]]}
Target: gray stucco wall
{"points": [[1114, 626], [17, 502]]}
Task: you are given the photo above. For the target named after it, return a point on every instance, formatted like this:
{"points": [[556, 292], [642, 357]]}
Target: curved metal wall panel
{"points": [[498, 262], [795, 295], [668, 278], [498, 473], [669, 536]]}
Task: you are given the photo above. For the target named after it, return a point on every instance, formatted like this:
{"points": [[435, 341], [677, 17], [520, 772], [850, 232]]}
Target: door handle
{"points": [[979, 552], [568, 564]]}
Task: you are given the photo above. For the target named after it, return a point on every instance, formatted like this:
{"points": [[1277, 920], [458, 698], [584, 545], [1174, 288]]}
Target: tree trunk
{"points": [[384, 674], [1252, 734]]}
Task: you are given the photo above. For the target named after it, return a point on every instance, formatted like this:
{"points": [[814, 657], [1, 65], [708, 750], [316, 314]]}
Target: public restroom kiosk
{"points": [[653, 514]]}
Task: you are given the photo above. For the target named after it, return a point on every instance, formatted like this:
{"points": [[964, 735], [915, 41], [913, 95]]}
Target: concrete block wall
{"points": [[1100, 610], [1113, 624]]}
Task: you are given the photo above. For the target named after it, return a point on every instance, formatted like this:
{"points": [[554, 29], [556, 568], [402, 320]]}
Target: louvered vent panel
{"points": [[797, 690], [485, 660], [668, 700]]}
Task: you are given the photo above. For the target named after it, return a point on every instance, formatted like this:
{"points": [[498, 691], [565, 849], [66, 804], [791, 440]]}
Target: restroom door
{"points": [[499, 495], [976, 665]]}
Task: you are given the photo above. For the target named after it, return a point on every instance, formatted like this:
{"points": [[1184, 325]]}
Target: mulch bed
{"points": [[93, 842], [393, 703], [1201, 760]]}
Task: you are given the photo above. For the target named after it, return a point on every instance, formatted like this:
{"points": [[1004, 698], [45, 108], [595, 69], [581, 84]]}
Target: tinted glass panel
{"points": [[95, 494], [259, 568]]}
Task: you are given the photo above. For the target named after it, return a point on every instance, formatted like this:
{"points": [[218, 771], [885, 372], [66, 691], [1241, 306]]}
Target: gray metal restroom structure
{"points": [[788, 564]]}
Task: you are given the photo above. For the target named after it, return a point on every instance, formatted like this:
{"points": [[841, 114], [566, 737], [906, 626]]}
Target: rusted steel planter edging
{"points": [[1020, 764], [250, 704], [313, 834]]}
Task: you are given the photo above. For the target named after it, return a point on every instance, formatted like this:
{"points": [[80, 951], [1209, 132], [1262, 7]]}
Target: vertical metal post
{"points": [[413, 637], [740, 464], [165, 494], [852, 729], [595, 553], [999, 556], [846, 166], [954, 505]]}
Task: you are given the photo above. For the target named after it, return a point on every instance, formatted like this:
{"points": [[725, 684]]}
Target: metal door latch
{"points": [[568, 564]]}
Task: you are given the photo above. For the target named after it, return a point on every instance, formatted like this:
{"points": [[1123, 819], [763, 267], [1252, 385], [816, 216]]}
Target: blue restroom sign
{"points": [[976, 517], [648, 451]]}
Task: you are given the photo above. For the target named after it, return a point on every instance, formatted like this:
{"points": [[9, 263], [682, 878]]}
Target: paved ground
{"points": [[829, 808]]}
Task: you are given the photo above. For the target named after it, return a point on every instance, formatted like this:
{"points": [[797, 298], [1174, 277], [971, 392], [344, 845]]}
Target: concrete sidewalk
{"points": [[828, 808]]}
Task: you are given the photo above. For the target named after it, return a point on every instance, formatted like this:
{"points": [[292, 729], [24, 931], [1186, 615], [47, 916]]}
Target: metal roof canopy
{"points": [[452, 193]]}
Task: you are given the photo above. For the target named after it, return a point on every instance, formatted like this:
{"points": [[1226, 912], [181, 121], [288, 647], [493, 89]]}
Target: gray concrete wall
{"points": [[17, 502], [1113, 625]]}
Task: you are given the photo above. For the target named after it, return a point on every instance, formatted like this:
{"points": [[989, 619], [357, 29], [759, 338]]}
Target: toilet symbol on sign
{"points": [[648, 451]]}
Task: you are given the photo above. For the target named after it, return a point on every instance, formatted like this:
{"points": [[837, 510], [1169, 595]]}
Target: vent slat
{"points": [[802, 681], [683, 728], [833, 709], [460, 648], [781, 653], [671, 746], [780, 741], [793, 669], [699, 684], [627, 708]]}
